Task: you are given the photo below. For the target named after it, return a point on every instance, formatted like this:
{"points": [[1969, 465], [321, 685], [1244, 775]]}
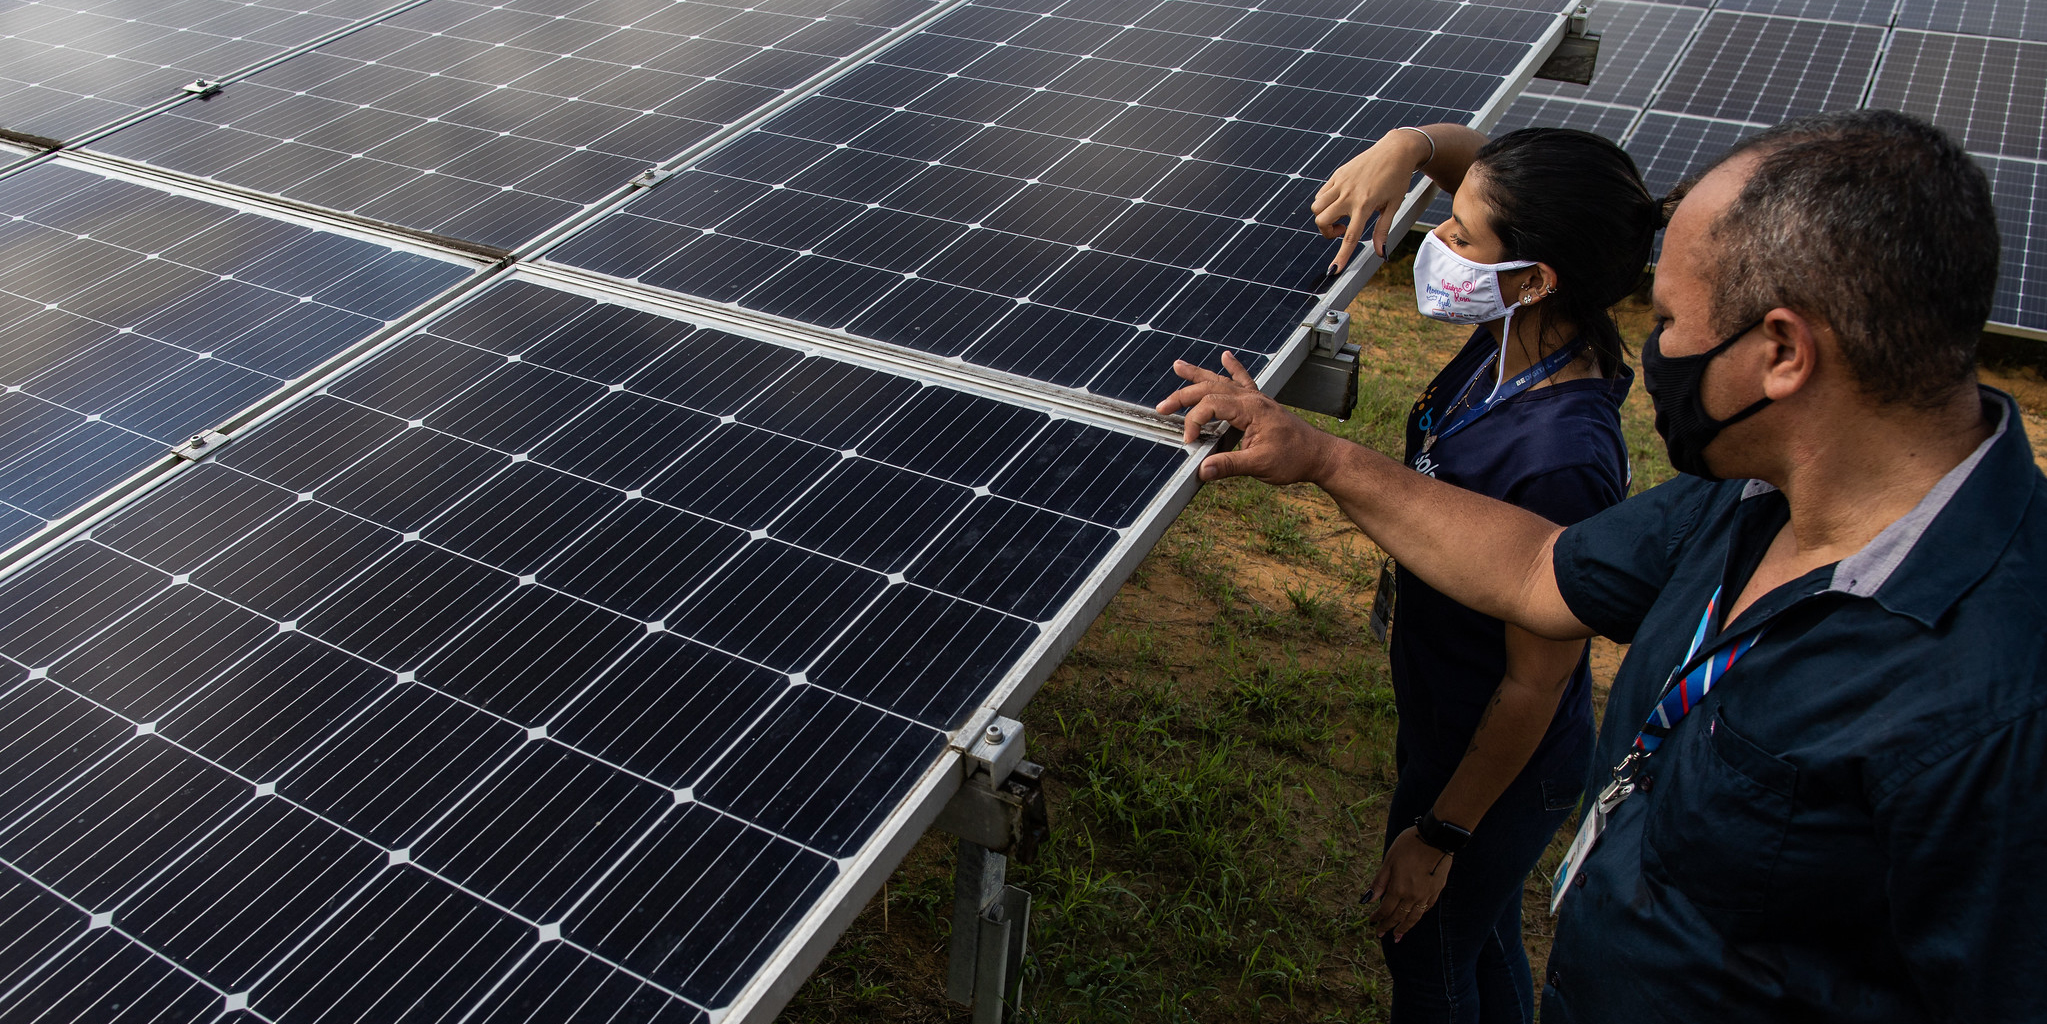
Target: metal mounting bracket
{"points": [[998, 749], [1327, 381], [202, 87], [994, 820], [200, 445], [1576, 54], [651, 177]]}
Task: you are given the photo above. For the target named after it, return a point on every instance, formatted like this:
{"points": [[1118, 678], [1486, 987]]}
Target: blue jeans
{"points": [[1463, 962]]}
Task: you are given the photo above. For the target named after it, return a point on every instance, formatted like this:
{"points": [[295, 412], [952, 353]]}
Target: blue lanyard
{"points": [[1542, 370], [1687, 691]]}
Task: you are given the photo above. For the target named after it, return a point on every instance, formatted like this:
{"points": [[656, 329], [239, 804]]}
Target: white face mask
{"points": [[1453, 289]]}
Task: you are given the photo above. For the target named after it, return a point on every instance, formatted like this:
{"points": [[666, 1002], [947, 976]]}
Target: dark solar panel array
{"points": [[1998, 19], [135, 317], [1856, 12], [1639, 42], [1076, 197], [1669, 148], [563, 659], [69, 67], [1988, 92], [493, 123], [1762, 69], [2020, 189], [1977, 68], [331, 725]]}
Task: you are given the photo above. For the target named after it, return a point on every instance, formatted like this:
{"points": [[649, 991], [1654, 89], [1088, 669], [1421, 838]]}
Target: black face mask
{"points": [[1681, 417]]}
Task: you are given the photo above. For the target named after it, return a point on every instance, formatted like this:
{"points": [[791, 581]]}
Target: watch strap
{"points": [[1440, 834]]}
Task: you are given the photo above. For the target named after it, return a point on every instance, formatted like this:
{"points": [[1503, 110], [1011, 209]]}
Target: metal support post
{"points": [[977, 885], [990, 918]]}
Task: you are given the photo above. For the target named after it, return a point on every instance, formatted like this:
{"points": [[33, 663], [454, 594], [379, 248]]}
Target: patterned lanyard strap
{"points": [[1542, 370], [1684, 693], [1691, 688]]}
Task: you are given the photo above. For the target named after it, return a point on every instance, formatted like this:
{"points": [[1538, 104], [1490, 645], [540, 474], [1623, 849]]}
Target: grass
{"points": [[1219, 750]]}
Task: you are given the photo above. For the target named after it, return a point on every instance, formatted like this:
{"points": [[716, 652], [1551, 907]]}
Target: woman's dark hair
{"points": [[1575, 201]]}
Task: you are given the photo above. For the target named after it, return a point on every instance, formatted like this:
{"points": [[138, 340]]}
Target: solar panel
{"points": [[427, 712], [1638, 44], [2004, 19], [1075, 197], [2020, 190], [1990, 93], [1963, 65], [1669, 148], [1860, 12], [67, 68], [136, 317], [1762, 69], [586, 650], [493, 123], [1554, 112]]}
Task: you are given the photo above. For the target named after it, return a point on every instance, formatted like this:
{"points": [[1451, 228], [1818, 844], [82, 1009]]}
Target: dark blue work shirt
{"points": [[1850, 826], [1555, 451]]}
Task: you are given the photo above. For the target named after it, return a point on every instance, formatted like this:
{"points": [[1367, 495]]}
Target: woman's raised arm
{"points": [[1375, 180]]}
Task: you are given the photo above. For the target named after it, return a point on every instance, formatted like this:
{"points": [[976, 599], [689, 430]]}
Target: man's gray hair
{"points": [[1878, 225]]}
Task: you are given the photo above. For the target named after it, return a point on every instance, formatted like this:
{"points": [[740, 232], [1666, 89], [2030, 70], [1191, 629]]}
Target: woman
{"points": [[1548, 228]]}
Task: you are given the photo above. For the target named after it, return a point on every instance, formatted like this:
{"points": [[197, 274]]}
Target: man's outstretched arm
{"points": [[1486, 555]]}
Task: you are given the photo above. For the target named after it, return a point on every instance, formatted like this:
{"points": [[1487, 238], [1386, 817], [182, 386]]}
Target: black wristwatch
{"points": [[1439, 833]]}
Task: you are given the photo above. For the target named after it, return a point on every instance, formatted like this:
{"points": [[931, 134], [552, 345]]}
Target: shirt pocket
{"points": [[1723, 808]]}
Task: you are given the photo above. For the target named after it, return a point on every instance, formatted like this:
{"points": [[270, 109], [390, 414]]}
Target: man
{"points": [[1837, 616]]}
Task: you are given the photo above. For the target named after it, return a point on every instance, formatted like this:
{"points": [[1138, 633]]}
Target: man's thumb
{"points": [[1222, 464]]}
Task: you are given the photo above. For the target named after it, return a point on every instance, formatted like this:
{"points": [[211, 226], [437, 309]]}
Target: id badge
{"points": [[1587, 838], [1382, 603]]}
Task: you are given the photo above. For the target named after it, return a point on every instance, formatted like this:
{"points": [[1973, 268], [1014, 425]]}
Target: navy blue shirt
{"points": [[1555, 451], [1850, 826]]}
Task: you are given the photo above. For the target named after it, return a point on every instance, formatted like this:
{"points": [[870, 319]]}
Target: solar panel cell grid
{"points": [[2019, 188], [1990, 93], [1638, 44], [555, 661], [523, 758], [1669, 148], [1762, 69], [2001, 19], [68, 68], [1861, 12], [491, 124], [103, 978], [953, 194], [137, 317]]}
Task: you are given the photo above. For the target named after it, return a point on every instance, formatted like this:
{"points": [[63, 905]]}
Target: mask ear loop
{"points": [[1500, 361], [1507, 331]]}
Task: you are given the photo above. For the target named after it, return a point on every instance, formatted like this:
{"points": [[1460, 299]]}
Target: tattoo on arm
{"points": [[1485, 716]]}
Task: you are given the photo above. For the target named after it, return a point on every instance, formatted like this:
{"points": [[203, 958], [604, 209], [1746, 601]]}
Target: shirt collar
{"points": [[1865, 572], [1922, 563]]}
